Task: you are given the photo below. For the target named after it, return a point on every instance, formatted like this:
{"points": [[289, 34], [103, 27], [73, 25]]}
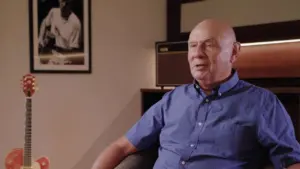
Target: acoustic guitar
{"points": [[21, 158]]}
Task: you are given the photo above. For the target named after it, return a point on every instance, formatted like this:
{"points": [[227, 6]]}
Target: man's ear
{"points": [[235, 51]]}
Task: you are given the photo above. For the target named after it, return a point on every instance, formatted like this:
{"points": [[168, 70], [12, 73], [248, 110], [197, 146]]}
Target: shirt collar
{"points": [[224, 87]]}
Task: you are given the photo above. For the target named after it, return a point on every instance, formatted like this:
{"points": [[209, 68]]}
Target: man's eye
{"points": [[193, 44], [208, 44]]}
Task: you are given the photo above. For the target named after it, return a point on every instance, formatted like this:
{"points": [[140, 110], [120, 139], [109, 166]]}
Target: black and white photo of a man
{"points": [[60, 30], [60, 35]]}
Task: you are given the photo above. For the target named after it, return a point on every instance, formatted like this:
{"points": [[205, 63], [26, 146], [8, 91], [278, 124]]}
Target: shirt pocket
{"points": [[235, 140]]}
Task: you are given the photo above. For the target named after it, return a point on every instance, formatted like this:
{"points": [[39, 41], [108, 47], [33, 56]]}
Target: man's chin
{"points": [[200, 75]]}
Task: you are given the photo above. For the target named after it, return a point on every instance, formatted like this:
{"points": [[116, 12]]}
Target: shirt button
{"points": [[192, 145], [206, 100], [182, 162], [200, 124]]}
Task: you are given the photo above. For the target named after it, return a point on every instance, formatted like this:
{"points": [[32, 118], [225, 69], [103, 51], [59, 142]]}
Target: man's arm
{"points": [[114, 154], [76, 36], [294, 166], [46, 22], [276, 133], [142, 135]]}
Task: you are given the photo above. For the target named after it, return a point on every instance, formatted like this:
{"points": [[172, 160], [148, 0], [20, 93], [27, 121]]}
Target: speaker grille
{"points": [[172, 68]]}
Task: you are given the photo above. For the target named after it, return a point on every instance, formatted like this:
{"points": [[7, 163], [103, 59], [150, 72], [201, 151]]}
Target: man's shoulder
{"points": [[258, 90], [262, 95], [55, 11], [75, 20]]}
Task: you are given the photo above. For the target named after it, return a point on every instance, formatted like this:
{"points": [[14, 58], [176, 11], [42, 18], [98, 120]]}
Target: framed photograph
{"points": [[60, 36]]}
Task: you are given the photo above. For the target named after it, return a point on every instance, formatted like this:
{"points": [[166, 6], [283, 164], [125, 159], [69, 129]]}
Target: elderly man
{"points": [[217, 122]]}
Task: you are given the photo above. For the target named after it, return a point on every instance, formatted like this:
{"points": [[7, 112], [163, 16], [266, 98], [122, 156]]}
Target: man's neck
{"points": [[208, 85]]}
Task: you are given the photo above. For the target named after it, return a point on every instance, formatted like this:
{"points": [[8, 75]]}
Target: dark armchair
{"points": [[146, 159], [141, 160]]}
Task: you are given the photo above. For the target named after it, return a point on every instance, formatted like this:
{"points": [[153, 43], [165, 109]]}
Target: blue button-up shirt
{"points": [[229, 129]]}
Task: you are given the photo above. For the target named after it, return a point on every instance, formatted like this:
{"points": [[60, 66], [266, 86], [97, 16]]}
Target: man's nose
{"points": [[198, 52]]}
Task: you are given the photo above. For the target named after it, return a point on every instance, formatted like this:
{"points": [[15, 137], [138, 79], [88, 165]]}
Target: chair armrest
{"points": [[269, 167], [140, 160], [145, 160]]}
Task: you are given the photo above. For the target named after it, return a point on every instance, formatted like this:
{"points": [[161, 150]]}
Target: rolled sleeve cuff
{"points": [[285, 159], [288, 160], [131, 136]]}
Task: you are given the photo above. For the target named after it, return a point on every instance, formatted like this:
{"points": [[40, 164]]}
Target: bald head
{"points": [[214, 29]]}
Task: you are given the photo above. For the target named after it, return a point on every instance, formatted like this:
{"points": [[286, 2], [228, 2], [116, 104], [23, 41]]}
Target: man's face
{"points": [[208, 54], [62, 4]]}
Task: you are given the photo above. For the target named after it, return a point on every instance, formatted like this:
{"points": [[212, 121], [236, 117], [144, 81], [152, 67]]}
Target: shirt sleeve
{"points": [[276, 134], [145, 132], [75, 37], [48, 19]]}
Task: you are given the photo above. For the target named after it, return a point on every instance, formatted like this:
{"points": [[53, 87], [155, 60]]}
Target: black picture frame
{"points": [[60, 44], [261, 32]]}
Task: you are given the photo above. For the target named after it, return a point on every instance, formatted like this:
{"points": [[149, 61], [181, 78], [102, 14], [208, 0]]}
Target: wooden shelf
{"points": [[287, 90]]}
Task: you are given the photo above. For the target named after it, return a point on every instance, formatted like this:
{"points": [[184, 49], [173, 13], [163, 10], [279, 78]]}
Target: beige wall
{"points": [[239, 13], [107, 102]]}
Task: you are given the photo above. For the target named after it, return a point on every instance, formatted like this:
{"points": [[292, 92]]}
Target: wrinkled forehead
{"points": [[201, 34]]}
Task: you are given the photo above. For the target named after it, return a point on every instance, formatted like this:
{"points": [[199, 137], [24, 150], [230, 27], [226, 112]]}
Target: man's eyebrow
{"points": [[206, 40]]}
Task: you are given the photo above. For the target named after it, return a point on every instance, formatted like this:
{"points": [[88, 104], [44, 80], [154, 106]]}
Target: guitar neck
{"points": [[28, 132]]}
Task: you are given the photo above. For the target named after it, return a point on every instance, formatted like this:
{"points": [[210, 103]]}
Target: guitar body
{"points": [[14, 160]]}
